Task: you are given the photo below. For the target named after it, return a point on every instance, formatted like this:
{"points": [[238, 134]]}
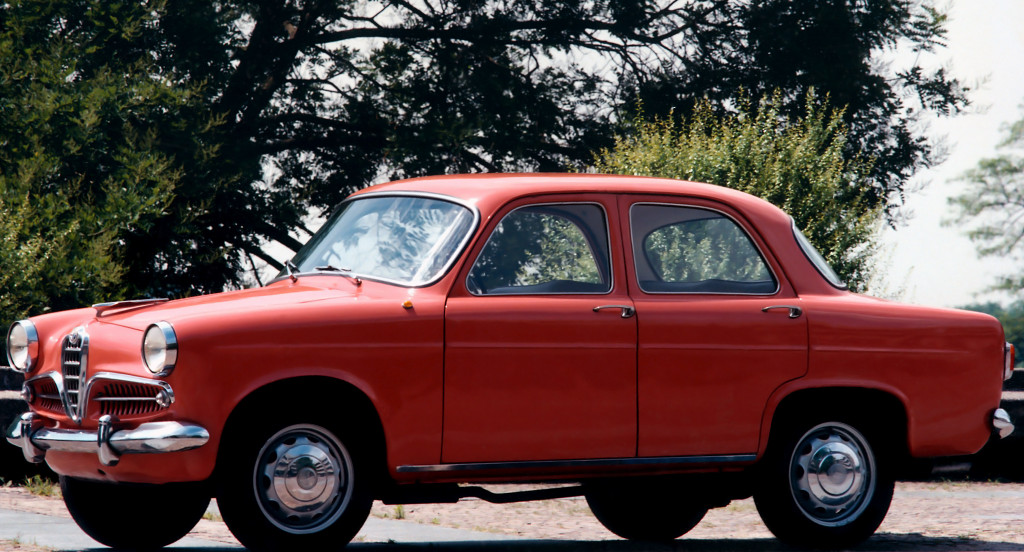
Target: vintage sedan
{"points": [[648, 341]]}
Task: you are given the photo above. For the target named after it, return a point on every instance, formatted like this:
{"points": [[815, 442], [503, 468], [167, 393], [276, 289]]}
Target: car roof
{"points": [[493, 189], [490, 191]]}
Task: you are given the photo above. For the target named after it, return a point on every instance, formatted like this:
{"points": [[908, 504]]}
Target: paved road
{"points": [[925, 517], [59, 533]]}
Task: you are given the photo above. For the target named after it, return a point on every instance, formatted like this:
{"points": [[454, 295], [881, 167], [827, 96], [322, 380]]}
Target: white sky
{"points": [[932, 264]]}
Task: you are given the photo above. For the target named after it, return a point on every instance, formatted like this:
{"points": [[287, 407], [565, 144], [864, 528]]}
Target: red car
{"points": [[648, 339]]}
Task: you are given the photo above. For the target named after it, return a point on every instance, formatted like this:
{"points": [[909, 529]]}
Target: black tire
{"points": [[134, 517], [295, 484], [826, 484], [641, 512]]}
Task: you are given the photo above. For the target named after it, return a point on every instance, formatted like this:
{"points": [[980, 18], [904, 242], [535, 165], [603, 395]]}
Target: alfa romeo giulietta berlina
{"points": [[649, 341]]}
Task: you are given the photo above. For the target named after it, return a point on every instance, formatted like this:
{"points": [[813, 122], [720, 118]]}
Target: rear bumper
{"points": [[29, 433], [1002, 423]]}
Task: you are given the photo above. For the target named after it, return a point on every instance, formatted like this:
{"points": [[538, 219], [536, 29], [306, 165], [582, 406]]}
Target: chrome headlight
{"points": [[160, 348], [22, 345]]}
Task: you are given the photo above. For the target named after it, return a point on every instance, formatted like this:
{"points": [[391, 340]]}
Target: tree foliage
{"points": [[797, 164], [708, 249], [991, 209], [87, 161], [182, 136], [537, 245]]}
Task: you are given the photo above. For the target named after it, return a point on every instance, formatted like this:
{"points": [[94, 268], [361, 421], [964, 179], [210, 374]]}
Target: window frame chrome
{"points": [[797, 234]]}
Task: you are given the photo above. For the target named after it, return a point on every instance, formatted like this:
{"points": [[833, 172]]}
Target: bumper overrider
{"points": [[1002, 423], [29, 433]]}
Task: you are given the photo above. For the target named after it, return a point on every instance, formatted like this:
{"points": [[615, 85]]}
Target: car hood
{"points": [[139, 315]]}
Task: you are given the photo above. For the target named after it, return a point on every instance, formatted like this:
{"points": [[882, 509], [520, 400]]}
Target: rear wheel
{"points": [[824, 484], [642, 512], [134, 517], [294, 485]]}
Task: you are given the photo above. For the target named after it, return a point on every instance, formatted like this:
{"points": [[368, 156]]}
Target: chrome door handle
{"points": [[627, 311], [794, 312]]}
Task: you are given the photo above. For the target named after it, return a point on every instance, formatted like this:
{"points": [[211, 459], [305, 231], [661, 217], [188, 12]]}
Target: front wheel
{"points": [[293, 486], [825, 486], [134, 517]]}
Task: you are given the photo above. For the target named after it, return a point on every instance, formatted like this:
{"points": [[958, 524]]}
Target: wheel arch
{"points": [[344, 398], [887, 413]]}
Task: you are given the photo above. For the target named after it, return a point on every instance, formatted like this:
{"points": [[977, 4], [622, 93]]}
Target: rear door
{"points": [[719, 327]]}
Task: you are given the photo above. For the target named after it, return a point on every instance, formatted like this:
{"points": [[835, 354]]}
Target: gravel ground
{"points": [[924, 516]]}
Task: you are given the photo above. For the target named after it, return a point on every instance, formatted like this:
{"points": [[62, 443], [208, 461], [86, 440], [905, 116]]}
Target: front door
{"points": [[540, 341]]}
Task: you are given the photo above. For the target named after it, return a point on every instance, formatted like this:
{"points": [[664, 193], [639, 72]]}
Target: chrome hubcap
{"points": [[302, 479], [832, 474]]}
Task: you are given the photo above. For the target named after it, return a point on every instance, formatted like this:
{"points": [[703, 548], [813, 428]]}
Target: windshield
{"points": [[816, 259], [406, 240]]}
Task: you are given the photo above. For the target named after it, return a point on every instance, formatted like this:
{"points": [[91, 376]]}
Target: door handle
{"points": [[794, 311], [627, 311]]}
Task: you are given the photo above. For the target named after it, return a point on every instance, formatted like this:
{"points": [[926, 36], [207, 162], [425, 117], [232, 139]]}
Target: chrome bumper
{"points": [[28, 433], [1002, 423]]}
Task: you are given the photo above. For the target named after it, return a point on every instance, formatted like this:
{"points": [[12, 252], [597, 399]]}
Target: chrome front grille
{"points": [[124, 398], [48, 396], [74, 363], [119, 395]]}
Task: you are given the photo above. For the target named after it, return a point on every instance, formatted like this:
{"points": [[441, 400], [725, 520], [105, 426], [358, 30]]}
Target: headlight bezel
{"points": [[160, 348], [28, 345]]}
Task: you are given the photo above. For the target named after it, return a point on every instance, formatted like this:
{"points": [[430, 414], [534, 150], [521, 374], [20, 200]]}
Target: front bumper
{"points": [[35, 440]]}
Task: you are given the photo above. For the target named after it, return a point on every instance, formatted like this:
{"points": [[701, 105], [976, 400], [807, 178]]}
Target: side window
{"points": [[544, 249], [692, 250]]}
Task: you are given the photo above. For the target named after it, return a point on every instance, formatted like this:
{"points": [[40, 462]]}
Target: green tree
{"points": [[87, 162], [991, 208], [256, 113], [797, 164]]}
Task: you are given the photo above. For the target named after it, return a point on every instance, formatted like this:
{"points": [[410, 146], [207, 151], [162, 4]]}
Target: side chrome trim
{"points": [[661, 461], [149, 438]]}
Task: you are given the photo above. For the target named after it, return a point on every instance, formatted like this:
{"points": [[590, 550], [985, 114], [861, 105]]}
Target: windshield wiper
{"points": [[331, 268]]}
